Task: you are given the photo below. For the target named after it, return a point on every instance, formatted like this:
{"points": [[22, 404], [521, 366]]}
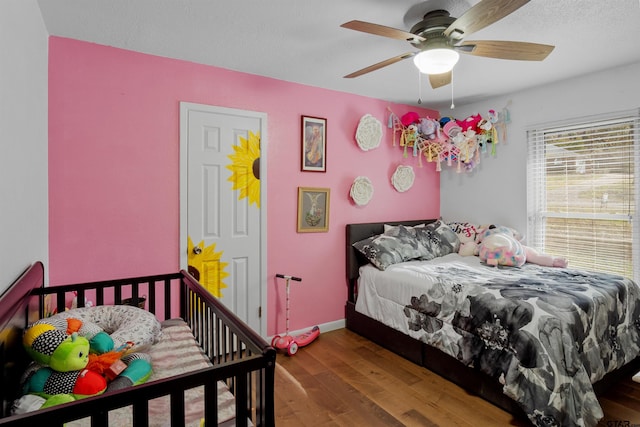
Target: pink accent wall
{"points": [[114, 171]]}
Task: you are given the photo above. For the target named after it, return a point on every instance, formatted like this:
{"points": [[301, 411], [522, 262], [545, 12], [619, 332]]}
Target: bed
{"points": [[231, 384], [401, 315]]}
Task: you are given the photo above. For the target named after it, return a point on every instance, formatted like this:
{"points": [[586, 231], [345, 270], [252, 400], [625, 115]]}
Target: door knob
{"points": [[197, 250]]}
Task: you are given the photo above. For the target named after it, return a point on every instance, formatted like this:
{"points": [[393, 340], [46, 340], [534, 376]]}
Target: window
{"points": [[582, 192]]}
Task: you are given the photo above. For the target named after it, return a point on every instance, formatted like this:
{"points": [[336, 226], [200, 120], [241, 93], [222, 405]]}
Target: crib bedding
{"points": [[175, 353], [545, 333]]}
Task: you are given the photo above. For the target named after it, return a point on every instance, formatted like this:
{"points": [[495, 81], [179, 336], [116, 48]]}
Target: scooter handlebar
{"points": [[282, 276]]}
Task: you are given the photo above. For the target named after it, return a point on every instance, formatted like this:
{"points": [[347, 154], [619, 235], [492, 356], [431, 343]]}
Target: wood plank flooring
{"points": [[343, 379]]}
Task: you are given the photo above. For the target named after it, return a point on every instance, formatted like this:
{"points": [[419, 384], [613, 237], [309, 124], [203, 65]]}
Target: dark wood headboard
{"points": [[16, 304], [357, 232]]}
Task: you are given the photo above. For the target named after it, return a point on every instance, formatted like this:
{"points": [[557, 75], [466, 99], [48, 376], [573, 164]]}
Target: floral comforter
{"points": [[545, 333]]}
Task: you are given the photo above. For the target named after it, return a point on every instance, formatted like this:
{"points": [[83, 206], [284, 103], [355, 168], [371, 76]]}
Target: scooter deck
{"points": [[308, 337]]}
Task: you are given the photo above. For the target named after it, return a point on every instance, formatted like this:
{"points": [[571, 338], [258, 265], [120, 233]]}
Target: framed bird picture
{"points": [[313, 209]]}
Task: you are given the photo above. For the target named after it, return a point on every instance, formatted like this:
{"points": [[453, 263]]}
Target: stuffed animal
{"points": [[410, 118], [535, 257], [66, 362], [428, 128], [470, 123], [501, 249], [50, 346], [32, 402], [500, 245], [45, 382]]}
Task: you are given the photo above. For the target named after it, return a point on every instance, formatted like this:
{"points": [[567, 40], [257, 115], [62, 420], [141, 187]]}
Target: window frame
{"points": [[537, 175]]}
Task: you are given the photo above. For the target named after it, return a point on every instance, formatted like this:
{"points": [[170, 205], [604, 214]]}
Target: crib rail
{"points": [[240, 357]]}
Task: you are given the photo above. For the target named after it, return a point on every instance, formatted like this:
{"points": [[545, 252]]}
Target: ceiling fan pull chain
{"points": [[452, 104], [419, 87]]}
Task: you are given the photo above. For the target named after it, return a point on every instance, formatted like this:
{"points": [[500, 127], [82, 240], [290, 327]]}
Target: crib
{"points": [[238, 357]]}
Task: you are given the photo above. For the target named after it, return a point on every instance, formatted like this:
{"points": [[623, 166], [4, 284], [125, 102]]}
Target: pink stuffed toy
{"points": [[535, 257], [501, 249], [410, 118], [499, 245], [470, 122]]}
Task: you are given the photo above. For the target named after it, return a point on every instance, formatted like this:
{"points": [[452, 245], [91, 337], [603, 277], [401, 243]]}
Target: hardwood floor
{"points": [[343, 379]]}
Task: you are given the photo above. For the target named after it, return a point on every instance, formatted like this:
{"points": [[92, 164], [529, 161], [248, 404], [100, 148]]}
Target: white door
{"points": [[223, 209]]}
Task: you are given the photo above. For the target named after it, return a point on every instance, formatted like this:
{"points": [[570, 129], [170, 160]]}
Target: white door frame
{"points": [[185, 107]]}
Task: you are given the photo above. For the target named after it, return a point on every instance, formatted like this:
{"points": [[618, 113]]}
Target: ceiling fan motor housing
{"points": [[431, 28]]}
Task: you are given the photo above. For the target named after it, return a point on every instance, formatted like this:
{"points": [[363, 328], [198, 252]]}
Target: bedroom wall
{"points": [[23, 137], [114, 171], [496, 191]]}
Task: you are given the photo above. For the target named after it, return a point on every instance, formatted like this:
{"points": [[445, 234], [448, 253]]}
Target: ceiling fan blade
{"points": [[438, 80], [521, 51], [379, 65], [483, 14], [381, 30]]}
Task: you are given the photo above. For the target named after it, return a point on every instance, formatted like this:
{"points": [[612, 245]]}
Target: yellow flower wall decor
{"points": [[245, 168], [206, 266]]}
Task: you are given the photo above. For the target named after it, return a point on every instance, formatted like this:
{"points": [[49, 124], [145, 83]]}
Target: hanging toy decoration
{"points": [[457, 143]]}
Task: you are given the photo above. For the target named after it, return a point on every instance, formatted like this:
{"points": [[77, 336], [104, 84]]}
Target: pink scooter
{"points": [[287, 342]]}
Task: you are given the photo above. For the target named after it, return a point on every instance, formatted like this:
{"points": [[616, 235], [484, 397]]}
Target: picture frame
{"points": [[313, 209], [314, 144]]}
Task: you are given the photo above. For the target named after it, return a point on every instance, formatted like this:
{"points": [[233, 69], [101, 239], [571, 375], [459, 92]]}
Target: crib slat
{"points": [[100, 419], [151, 301], [211, 404], [177, 407], [242, 414], [141, 413]]}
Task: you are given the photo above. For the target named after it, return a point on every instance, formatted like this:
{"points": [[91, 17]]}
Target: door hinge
{"points": [[260, 311]]}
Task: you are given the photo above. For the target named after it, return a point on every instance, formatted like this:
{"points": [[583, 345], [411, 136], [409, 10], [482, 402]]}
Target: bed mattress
{"points": [[545, 333]]}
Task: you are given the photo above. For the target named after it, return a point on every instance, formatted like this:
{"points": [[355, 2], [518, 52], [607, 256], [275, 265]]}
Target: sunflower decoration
{"points": [[246, 168], [206, 266]]}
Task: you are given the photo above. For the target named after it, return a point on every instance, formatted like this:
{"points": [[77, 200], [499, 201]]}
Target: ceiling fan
{"points": [[439, 37]]}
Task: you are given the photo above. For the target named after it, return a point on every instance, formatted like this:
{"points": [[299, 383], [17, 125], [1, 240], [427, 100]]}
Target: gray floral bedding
{"points": [[545, 333]]}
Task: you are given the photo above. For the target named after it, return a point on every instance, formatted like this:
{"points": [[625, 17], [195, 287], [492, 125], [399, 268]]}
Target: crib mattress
{"points": [[175, 353]]}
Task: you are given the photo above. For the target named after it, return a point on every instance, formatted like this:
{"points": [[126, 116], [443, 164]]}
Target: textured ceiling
{"points": [[301, 41]]}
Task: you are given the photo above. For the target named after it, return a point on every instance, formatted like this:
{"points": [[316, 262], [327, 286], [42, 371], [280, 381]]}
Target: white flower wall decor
{"points": [[402, 178], [361, 190], [368, 133]]}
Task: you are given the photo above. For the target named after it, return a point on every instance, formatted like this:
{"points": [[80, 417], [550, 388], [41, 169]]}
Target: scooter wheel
{"points": [[292, 348], [274, 340]]}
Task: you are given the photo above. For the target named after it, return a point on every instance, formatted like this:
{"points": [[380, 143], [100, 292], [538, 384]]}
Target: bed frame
{"points": [[472, 380], [240, 357]]}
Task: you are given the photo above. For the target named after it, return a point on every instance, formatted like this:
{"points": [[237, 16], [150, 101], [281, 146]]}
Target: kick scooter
{"points": [[288, 342]]}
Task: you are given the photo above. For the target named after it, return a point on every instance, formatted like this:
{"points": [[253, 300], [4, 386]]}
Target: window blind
{"points": [[583, 192]]}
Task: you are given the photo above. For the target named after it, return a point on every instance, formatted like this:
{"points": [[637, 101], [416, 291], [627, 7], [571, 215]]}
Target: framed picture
{"points": [[314, 144], [313, 209]]}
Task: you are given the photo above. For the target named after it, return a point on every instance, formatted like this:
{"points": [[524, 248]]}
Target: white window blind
{"points": [[583, 194]]}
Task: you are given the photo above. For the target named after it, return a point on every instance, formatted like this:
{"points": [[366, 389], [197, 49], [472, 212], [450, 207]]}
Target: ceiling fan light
{"points": [[436, 61]]}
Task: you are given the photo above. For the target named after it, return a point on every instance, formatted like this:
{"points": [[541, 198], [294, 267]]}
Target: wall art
{"points": [[314, 144], [313, 209]]}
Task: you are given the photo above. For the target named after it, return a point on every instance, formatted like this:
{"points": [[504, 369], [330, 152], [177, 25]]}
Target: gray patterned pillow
{"points": [[438, 239], [398, 244]]}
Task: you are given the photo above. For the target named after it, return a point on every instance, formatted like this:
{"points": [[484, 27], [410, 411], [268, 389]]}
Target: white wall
{"points": [[496, 191], [23, 138]]}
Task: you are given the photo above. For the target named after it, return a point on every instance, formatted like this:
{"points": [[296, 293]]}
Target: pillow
{"points": [[398, 244], [388, 227], [466, 231], [438, 239]]}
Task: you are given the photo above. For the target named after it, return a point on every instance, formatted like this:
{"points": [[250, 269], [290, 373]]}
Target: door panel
{"points": [[224, 240]]}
